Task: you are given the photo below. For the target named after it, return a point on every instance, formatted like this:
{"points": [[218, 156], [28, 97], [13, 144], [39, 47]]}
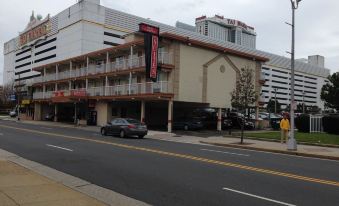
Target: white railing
{"points": [[49, 77], [79, 72], [63, 75], [122, 64], [96, 69], [316, 123], [126, 89], [95, 91], [38, 95], [165, 58]]}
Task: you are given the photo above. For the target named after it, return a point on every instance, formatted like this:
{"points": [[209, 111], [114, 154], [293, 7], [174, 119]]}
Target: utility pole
{"points": [[291, 143]]}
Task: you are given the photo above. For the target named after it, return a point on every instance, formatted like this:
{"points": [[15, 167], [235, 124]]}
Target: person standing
{"points": [[285, 127]]}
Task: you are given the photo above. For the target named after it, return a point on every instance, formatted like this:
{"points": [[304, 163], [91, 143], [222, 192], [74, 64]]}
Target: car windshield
{"points": [[132, 121]]}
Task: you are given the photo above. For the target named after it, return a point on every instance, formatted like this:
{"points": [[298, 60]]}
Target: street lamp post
{"points": [[291, 143]]}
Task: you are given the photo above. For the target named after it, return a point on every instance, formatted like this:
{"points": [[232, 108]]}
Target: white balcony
{"points": [[165, 58], [118, 90], [49, 77], [122, 64]]}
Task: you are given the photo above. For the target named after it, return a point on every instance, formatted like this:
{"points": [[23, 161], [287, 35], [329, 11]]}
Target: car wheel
{"points": [[141, 136], [122, 134], [186, 127], [103, 132]]}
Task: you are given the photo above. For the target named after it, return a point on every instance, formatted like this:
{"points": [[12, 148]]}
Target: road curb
{"points": [[274, 140], [272, 150]]}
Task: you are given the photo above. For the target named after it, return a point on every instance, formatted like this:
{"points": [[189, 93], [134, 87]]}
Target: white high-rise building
{"points": [[224, 29], [76, 30]]}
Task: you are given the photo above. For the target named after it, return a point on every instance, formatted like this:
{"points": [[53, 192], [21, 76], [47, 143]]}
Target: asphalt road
{"points": [[171, 173]]}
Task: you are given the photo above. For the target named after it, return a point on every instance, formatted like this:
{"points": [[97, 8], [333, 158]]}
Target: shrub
{"points": [[302, 123], [331, 124]]}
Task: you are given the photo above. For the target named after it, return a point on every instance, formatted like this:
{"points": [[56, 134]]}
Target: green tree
{"points": [[330, 92], [243, 96], [271, 106]]}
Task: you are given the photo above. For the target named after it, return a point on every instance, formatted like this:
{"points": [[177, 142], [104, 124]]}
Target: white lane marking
{"points": [[49, 145], [246, 155], [259, 197]]}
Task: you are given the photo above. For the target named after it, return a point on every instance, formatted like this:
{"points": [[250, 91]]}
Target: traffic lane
{"points": [[296, 165], [176, 181]]}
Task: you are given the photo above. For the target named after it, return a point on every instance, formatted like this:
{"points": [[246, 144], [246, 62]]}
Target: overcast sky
{"points": [[317, 30]]}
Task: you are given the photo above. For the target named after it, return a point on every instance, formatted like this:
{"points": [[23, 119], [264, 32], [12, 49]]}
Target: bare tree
{"points": [[243, 96], [8, 90]]}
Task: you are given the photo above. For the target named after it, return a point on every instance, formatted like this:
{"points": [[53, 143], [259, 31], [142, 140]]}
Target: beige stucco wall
{"points": [[192, 60], [103, 113], [219, 85]]}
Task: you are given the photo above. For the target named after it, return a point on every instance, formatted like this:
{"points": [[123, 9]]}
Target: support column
{"points": [[107, 62], [37, 111], [170, 115], [43, 91], [219, 128], [55, 113], [106, 85], [87, 64], [86, 84], [142, 116], [57, 71], [70, 69]]}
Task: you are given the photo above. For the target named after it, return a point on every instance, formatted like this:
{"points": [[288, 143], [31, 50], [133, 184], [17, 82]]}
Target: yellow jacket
{"points": [[285, 124]]}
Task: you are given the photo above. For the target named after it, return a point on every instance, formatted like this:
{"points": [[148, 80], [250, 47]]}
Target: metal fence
{"points": [[316, 123]]}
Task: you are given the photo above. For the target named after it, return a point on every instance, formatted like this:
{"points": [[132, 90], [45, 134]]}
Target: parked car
{"points": [[13, 113], [209, 118], [226, 123], [49, 117], [125, 127], [237, 119], [188, 123]]}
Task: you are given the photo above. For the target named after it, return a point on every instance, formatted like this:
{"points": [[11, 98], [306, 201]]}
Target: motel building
{"points": [[96, 87]]}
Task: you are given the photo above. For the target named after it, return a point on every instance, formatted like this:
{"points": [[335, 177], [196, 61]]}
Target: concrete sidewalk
{"points": [[20, 186]]}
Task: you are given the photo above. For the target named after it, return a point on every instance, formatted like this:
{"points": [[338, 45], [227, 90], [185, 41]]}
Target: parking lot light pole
{"points": [[291, 143]]}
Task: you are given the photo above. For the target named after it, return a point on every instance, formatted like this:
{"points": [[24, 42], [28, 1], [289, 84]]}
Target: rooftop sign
{"points": [[35, 33]]}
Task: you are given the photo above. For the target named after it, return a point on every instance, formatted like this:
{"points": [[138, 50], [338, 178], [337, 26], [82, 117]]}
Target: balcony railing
{"points": [[119, 65], [118, 90]]}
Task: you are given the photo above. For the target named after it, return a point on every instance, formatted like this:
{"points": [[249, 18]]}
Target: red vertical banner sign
{"points": [[154, 57], [151, 50]]}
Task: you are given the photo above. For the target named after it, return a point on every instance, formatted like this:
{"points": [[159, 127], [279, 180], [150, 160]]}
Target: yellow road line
{"points": [[190, 157]]}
